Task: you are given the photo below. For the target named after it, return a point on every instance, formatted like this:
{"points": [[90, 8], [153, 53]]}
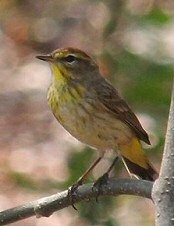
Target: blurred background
{"points": [[133, 42]]}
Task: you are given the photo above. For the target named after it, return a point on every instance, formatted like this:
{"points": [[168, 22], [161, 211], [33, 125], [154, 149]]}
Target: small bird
{"points": [[92, 111]]}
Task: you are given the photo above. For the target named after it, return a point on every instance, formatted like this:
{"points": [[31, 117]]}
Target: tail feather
{"points": [[136, 160], [145, 174]]}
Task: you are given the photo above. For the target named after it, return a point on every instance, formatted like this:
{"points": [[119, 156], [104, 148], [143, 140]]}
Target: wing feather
{"points": [[110, 98]]}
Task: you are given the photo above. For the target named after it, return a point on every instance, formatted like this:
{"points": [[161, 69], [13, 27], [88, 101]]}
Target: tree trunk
{"points": [[163, 189]]}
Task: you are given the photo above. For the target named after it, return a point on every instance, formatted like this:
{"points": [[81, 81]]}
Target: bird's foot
{"points": [[99, 183], [72, 193]]}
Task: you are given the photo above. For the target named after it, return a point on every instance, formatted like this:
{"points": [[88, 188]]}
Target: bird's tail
{"points": [[136, 160]]}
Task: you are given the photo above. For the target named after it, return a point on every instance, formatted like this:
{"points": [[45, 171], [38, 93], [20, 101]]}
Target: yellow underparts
{"points": [[134, 152]]}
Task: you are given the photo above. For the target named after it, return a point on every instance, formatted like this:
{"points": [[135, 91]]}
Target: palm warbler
{"points": [[92, 111]]}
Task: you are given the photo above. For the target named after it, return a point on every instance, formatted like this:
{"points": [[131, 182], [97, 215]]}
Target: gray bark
{"points": [[163, 189]]}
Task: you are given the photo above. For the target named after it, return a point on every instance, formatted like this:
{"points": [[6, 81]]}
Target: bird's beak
{"points": [[47, 58]]}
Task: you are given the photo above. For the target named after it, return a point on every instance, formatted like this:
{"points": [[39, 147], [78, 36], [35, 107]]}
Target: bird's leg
{"points": [[80, 181], [103, 179], [112, 165], [132, 175], [85, 175]]}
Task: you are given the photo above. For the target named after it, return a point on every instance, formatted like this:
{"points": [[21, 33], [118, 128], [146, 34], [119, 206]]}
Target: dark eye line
{"points": [[69, 58]]}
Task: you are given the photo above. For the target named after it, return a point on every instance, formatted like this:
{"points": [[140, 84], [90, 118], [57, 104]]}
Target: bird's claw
{"points": [[72, 192], [99, 183]]}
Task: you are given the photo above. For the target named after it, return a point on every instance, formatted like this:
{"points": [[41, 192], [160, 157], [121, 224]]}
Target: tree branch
{"points": [[163, 189], [46, 206]]}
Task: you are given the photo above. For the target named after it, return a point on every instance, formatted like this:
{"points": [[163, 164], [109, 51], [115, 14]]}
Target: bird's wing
{"points": [[110, 98]]}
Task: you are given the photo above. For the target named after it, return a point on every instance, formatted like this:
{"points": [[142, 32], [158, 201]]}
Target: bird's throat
{"points": [[60, 75]]}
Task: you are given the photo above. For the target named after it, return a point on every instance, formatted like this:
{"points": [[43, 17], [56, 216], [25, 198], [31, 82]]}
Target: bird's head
{"points": [[70, 63]]}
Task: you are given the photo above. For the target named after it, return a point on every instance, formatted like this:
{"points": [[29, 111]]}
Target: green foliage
{"points": [[151, 81], [157, 16], [23, 181], [78, 163], [30, 183], [97, 212]]}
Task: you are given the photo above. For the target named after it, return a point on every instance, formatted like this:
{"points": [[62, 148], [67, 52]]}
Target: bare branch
{"points": [[46, 206]]}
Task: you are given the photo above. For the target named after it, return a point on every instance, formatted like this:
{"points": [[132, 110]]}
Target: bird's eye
{"points": [[70, 59]]}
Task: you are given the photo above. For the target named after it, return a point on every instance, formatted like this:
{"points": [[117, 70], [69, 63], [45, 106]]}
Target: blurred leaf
{"points": [[147, 83], [115, 10], [78, 163], [157, 16], [97, 212], [23, 181]]}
